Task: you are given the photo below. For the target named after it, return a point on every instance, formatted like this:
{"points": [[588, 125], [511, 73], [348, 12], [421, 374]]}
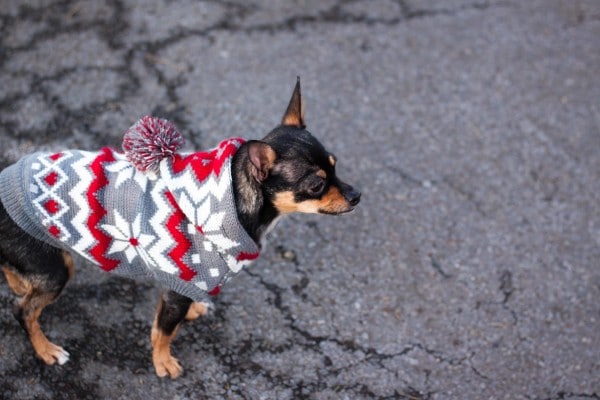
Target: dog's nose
{"points": [[353, 197]]}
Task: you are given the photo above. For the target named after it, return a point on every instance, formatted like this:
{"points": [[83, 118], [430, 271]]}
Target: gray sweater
{"points": [[178, 226]]}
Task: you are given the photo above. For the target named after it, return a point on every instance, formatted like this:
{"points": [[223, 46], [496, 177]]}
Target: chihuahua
{"points": [[287, 171]]}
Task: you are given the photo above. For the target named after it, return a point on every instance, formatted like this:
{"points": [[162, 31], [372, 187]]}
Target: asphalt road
{"points": [[471, 269]]}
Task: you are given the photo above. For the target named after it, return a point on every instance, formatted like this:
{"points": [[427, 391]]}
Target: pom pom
{"points": [[149, 141]]}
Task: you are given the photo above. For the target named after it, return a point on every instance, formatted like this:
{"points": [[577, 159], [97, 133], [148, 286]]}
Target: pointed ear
{"points": [[294, 115], [262, 157]]}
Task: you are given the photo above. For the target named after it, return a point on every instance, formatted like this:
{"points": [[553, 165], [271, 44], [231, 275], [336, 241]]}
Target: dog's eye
{"points": [[317, 187]]}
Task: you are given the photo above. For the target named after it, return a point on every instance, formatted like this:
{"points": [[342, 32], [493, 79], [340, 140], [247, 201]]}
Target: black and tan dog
{"points": [[287, 171]]}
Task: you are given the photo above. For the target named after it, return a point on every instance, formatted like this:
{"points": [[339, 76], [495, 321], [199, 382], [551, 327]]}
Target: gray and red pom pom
{"points": [[149, 141]]}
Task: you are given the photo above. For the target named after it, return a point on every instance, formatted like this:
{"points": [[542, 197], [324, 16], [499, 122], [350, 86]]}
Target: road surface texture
{"points": [[471, 269]]}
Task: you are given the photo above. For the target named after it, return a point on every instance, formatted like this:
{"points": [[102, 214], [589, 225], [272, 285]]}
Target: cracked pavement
{"points": [[471, 269]]}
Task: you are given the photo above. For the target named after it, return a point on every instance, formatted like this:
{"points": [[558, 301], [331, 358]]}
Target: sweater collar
{"points": [[202, 187]]}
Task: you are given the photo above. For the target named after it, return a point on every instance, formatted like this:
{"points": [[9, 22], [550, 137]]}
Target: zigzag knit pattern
{"points": [[180, 227]]}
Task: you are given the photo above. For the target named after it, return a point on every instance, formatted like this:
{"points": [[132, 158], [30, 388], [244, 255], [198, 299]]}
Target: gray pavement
{"points": [[471, 269]]}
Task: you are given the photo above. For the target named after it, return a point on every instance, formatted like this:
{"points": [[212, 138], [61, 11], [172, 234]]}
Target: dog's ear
{"points": [[294, 115], [262, 157]]}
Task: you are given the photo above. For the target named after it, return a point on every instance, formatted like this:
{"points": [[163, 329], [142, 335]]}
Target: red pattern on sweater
{"points": [[183, 245], [204, 163], [243, 256], [97, 211]]}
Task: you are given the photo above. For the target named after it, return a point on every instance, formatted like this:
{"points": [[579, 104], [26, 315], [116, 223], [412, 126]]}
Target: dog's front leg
{"points": [[172, 309]]}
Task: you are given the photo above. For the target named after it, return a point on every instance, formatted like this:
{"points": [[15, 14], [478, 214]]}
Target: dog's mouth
{"points": [[337, 212]]}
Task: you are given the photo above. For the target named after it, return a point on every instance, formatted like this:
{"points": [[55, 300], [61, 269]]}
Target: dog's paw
{"points": [[52, 354], [199, 309], [167, 366]]}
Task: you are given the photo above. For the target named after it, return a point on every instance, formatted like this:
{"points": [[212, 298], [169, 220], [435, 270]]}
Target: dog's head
{"points": [[294, 169]]}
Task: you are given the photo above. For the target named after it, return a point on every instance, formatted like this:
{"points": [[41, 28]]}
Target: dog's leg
{"points": [[27, 313], [39, 290], [172, 309], [196, 310]]}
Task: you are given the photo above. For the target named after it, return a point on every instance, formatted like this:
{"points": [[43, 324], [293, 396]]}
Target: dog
{"points": [[287, 171]]}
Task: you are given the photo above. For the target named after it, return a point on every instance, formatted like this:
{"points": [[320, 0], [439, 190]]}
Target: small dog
{"points": [[153, 212]]}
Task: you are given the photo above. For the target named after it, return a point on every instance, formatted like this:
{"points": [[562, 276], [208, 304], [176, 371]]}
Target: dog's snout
{"points": [[353, 197]]}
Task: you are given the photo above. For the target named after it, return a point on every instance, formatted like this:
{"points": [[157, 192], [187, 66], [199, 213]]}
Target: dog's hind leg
{"points": [[37, 273], [172, 309], [38, 290]]}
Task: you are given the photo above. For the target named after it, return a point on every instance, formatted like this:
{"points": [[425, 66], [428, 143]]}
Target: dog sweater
{"points": [[169, 216]]}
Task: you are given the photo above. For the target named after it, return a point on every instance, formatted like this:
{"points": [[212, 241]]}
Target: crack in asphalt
{"points": [[438, 268], [112, 30], [371, 355]]}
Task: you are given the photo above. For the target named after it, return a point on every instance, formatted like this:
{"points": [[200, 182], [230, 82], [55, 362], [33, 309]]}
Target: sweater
{"points": [[178, 226]]}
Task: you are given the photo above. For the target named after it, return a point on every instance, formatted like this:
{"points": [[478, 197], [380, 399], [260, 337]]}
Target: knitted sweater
{"points": [[179, 226]]}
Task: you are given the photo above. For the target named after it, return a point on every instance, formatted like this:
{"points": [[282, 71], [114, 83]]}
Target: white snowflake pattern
{"points": [[126, 171], [127, 237], [210, 222]]}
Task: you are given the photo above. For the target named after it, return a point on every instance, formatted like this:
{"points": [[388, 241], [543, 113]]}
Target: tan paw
{"points": [[167, 366], [196, 310], [52, 354]]}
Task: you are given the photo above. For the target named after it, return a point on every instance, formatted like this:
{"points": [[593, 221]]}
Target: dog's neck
{"points": [[255, 212]]}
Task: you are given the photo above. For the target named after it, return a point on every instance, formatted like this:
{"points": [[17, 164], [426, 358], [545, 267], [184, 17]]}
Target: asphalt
{"points": [[471, 268]]}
